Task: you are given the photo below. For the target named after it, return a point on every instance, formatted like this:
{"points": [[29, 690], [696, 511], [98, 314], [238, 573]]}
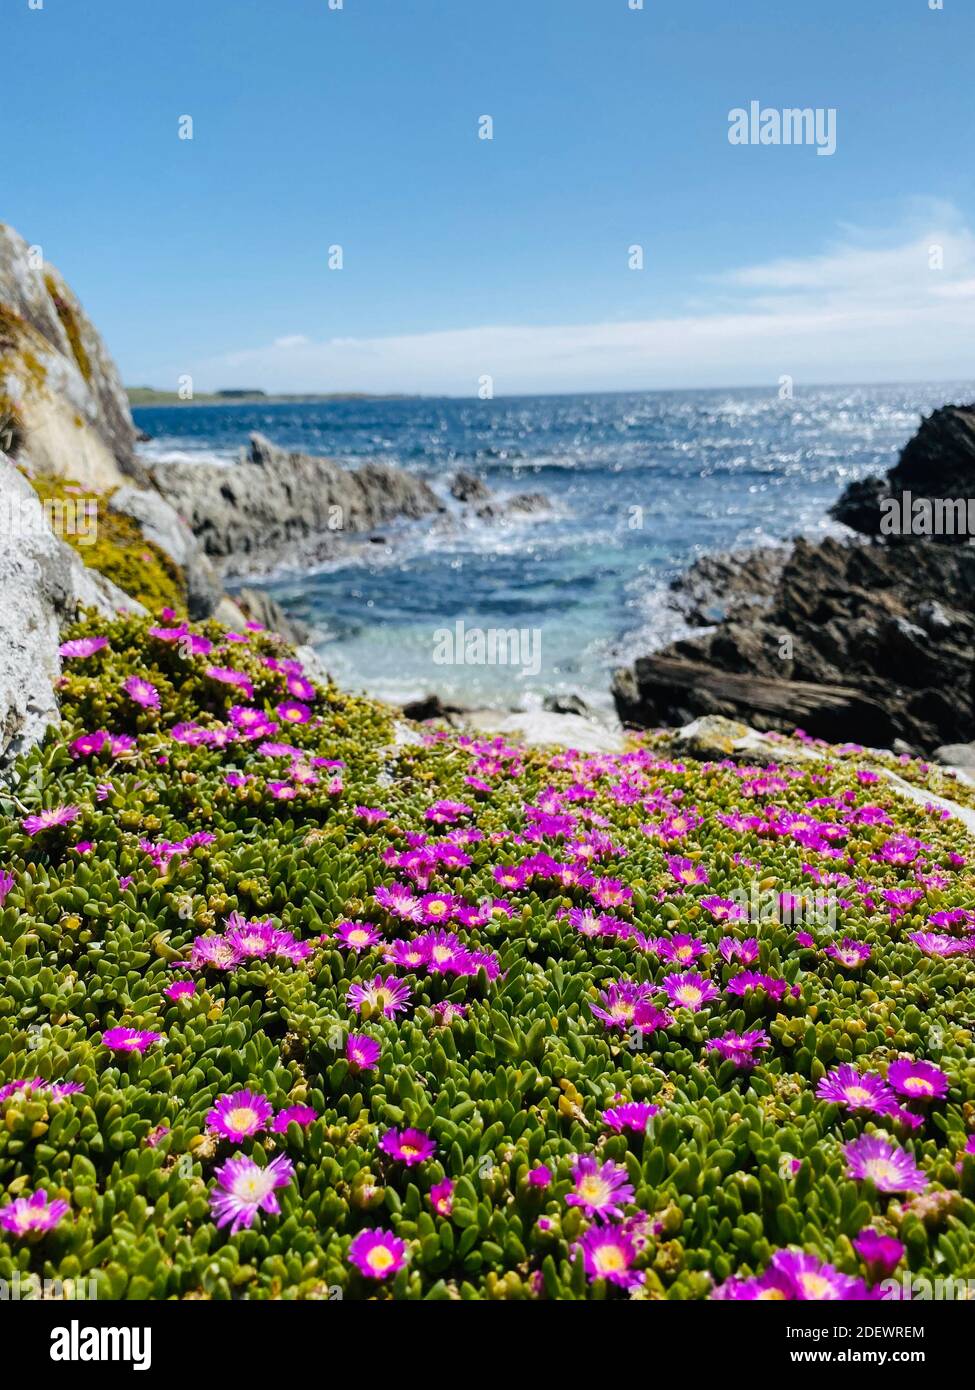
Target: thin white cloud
{"points": [[894, 311]]}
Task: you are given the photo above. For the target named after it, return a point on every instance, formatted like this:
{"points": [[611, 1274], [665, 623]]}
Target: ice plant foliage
{"points": [[292, 1005]]}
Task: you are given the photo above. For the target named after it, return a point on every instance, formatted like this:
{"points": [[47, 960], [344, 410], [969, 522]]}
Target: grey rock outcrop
{"points": [[466, 487], [472, 491], [273, 505], [161, 523], [56, 374], [43, 583], [260, 607]]}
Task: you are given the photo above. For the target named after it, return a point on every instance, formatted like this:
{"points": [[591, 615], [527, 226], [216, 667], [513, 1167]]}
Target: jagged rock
{"points": [[252, 515], [713, 738], [722, 586], [938, 462], [229, 614], [162, 524], [43, 583], [566, 704], [260, 607], [520, 505], [539, 728], [895, 625], [312, 665], [528, 503], [473, 491], [659, 685], [429, 707], [465, 487], [72, 411], [956, 754], [936, 619]]}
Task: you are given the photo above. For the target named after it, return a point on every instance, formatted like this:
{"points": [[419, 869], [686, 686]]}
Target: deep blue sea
{"points": [[708, 470]]}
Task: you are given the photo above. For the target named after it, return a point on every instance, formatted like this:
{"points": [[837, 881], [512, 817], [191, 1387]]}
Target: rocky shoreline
{"points": [[870, 640]]}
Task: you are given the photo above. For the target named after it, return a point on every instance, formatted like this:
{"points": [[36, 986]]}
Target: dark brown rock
{"points": [[937, 463]]}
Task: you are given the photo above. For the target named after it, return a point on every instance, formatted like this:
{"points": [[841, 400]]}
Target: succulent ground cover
{"points": [[295, 1007]]}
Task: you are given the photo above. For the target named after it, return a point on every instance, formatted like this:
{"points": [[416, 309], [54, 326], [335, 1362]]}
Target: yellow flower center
{"points": [[380, 1259], [242, 1118], [858, 1095], [609, 1259], [816, 1286], [594, 1190]]}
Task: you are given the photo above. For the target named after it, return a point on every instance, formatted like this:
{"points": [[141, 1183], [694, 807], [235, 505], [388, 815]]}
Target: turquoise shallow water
{"points": [[639, 483]]}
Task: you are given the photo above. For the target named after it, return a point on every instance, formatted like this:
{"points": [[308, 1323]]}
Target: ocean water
{"points": [[640, 484]]}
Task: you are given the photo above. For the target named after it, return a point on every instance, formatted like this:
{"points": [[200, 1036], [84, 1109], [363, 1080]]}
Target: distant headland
{"points": [[148, 395]]}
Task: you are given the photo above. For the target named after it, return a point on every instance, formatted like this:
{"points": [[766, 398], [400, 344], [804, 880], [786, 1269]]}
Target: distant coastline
{"points": [[148, 395]]}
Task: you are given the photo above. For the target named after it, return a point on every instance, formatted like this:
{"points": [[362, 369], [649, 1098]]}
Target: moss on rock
{"points": [[114, 545]]}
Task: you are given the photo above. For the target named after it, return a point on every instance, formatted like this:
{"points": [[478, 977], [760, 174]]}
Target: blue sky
{"points": [[506, 258]]}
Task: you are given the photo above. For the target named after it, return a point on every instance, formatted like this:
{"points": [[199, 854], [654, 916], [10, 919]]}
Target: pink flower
{"points": [[129, 1039], [400, 901], [889, 1168], [27, 1215], [293, 712], [181, 989], [442, 1197], [244, 1188], [239, 1115], [143, 692], [388, 996], [681, 950], [377, 1254], [362, 1052], [358, 935], [227, 676], [293, 1115], [47, 820], [437, 907], [724, 909], [410, 1146], [609, 892], [300, 687], [600, 1189], [447, 812], [685, 871], [739, 1048], [850, 954], [608, 1253], [635, 1115], [689, 991], [81, 647], [919, 1081], [881, 1254]]}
